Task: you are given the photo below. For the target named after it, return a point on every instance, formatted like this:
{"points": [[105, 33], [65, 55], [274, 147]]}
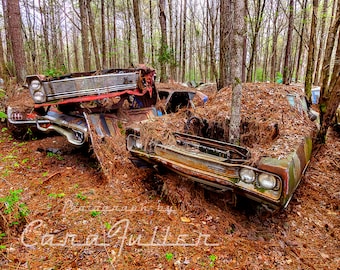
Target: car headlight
{"points": [[39, 97], [35, 85], [247, 175], [138, 144], [267, 181], [134, 142]]}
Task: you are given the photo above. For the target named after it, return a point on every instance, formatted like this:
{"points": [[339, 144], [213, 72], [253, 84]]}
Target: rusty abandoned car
{"points": [[107, 100], [276, 145]]}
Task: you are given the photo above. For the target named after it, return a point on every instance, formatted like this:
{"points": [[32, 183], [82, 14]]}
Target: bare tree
{"points": [[255, 27], [211, 35], [15, 34], [329, 103], [84, 35], [225, 37], [236, 71], [311, 52], [275, 37], [163, 58], [183, 39], [286, 68], [103, 39], [93, 35], [139, 31], [301, 41]]}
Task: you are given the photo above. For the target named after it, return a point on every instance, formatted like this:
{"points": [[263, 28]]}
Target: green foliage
{"points": [[53, 155], [95, 213], [54, 72], [323, 107], [107, 225], [81, 196], [259, 75], [169, 256], [56, 195], [3, 115], [279, 77], [2, 93], [25, 160], [212, 259], [13, 206], [2, 235], [166, 55]]}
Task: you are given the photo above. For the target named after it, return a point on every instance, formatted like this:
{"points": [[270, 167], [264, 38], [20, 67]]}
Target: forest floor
{"points": [[66, 215]]}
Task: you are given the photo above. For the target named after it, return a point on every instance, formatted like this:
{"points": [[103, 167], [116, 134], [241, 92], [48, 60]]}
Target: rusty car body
{"points": [[71, 103], [228, 168]]}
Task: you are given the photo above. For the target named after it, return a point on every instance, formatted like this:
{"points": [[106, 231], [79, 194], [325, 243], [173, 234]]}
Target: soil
{"points": [[79, 219]]}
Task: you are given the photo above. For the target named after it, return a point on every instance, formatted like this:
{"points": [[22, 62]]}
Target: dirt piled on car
{"points": [[269, 125]]}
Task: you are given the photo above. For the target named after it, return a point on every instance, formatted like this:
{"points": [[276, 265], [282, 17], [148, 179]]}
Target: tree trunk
{"points": [[274, 52], [311, 50], [139, 32], [183, 40], [330, 92], [211, 37], [103, 41], [2, 59], [225, 33], [163, 59], [93, 34], [151, 34], [330, 103], [298, 61], [286, 68], [75, 50], [84, 35], [323, 39], [236, 71], [257, 24], [244, 60], [14, 28], [331, 39], [171, 40]]}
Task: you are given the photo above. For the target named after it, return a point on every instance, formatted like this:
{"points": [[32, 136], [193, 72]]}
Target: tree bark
{"points": [[331, 39], [139, 31], [103, 39], [163, 58], [151, 34], [274, 51], [286, 68], [257, 24], [298, 61], [84, 35], [236, 71], [330, 103], [244, 60], [93, 34], [311, 53], [212, 11], [322, 43], [225, 37], [183, 39], [14, 25]]}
